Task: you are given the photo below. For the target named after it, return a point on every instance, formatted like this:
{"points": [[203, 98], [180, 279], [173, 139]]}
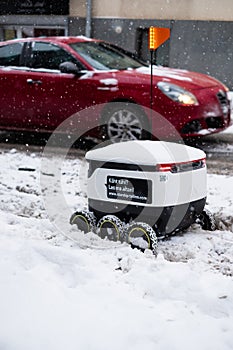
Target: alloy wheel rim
{"points": [[124, 125]]}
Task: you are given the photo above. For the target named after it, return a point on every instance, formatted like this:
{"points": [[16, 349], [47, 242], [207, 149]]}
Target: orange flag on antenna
{"points": [[157, 36]]}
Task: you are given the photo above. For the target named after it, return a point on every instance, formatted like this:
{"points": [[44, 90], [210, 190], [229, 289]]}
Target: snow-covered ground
{"points": [[84, 293]]}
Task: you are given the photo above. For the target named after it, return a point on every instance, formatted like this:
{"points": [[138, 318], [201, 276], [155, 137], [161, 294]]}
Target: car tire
{"points": [[124, 121], [84, 220], [140, 235]]}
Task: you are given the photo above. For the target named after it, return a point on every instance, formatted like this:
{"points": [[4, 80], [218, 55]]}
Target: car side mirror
{"points": [[69, 67]]}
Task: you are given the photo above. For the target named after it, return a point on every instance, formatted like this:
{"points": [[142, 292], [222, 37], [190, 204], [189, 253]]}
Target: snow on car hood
{"points": [[190, 79]]}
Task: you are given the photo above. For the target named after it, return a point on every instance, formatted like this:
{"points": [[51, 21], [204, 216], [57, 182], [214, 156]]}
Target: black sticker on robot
{"points": [[129, 189]]}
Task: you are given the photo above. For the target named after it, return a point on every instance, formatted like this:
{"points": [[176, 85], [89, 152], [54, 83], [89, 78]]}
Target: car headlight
{"points": [[177, 93]]}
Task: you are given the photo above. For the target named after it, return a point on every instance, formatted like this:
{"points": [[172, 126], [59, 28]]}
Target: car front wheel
{"points": [[124, 122]]}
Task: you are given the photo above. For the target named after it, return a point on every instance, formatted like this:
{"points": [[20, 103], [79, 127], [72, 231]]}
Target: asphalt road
{"points": [[219, 151], [218, 148]]}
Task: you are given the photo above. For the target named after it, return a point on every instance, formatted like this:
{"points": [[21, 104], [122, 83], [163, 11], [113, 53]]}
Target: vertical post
{"points": [[152, 47], [157, 36], [151, 79], [88, 18]]}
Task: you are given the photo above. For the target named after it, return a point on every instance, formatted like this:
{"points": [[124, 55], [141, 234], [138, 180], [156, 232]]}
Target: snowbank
{"points": [[92, 294]]}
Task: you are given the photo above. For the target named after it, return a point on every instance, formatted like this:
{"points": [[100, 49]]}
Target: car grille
{"points": [[222, 98]]}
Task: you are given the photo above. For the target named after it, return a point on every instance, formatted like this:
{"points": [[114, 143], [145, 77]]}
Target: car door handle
{"points": [[31, 81]]}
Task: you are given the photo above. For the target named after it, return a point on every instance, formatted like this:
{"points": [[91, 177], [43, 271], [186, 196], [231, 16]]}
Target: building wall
{"points": [[157, 9], [205, 47]]}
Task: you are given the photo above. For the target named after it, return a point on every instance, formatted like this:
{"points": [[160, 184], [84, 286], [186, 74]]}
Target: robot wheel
{"points": [[85, 221], [112, 227], [142, 236], [206, 220]]}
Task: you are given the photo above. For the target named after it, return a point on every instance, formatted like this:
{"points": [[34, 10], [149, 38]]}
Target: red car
{"points": [[46, 80]]}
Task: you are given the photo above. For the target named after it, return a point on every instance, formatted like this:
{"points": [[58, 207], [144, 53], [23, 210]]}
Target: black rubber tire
{"points": [[85, 221], [124, 121], [140, 235], [206, 220], [111, 227]]}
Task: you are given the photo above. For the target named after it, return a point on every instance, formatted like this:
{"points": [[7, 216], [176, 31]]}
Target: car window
{"points": [[49, 56], [102, 56], [10, 54]]}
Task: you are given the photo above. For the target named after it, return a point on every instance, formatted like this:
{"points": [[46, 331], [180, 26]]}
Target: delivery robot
{"points": [[139, 191]]}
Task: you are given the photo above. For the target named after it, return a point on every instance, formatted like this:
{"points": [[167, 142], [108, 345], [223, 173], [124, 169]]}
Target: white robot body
{"points": [[161, 183]]}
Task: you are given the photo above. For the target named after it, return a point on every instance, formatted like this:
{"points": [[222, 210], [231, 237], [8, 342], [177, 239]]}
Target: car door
{"points": [[13, 90], [54, 96]]}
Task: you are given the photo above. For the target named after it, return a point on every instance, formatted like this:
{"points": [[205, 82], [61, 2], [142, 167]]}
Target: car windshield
{"points": [[103, 56]]}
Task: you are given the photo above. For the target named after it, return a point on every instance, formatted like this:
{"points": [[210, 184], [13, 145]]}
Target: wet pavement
{"points": [[218, 148], [219, 153]]}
